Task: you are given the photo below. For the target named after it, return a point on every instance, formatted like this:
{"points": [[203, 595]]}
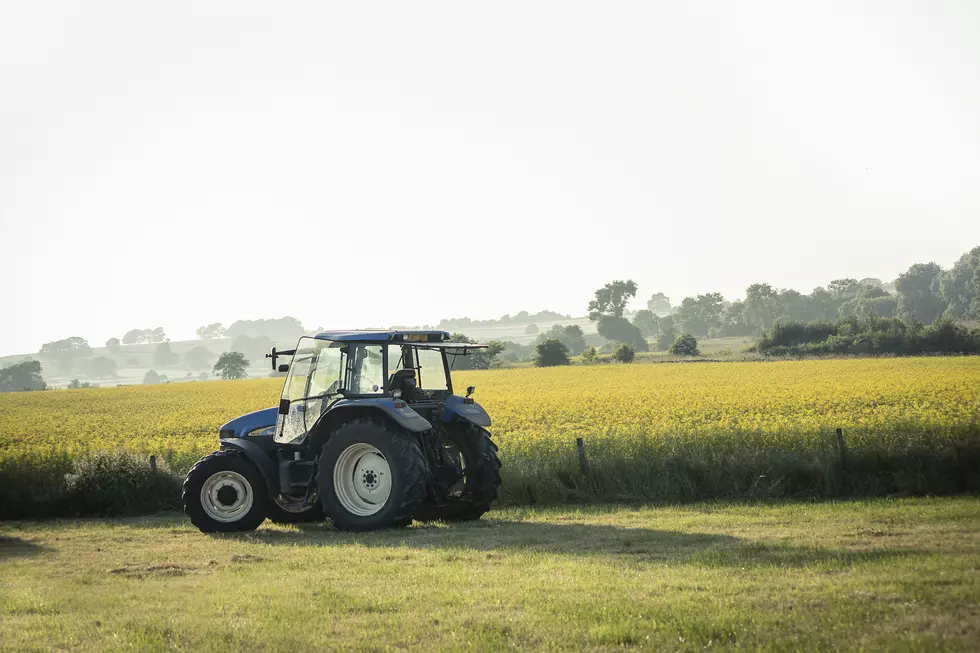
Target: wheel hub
{"points": [[226, 496], [362, 479]]}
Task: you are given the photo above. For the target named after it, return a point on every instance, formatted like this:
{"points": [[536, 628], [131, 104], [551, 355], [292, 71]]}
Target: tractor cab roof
{"points": [[420, 338], [377, 335]]}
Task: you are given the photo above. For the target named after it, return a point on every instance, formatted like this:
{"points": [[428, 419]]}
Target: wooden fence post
{"points": [[842, 448], [153, 463], [583, 465]]}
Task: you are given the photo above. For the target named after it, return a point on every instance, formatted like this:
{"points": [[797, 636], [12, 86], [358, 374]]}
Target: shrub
{"points": [[550, 353], [685, 345], [121, 483], [625, 353], [590, 354]]}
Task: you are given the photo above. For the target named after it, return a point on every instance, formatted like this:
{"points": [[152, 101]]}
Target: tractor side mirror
{"points": [[470, 390], [284, 367], [283, 406]]}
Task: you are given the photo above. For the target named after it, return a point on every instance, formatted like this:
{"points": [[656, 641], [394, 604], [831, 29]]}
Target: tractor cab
{"points": [[408, 372]]}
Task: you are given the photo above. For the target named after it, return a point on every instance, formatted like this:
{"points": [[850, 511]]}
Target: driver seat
{"points": [[403, 380]]}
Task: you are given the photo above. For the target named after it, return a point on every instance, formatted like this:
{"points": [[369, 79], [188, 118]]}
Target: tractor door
{"points": [[316, 373]]}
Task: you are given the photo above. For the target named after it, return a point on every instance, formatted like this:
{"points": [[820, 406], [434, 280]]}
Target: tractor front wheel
{"points": [[225, 493], [371, 476]]}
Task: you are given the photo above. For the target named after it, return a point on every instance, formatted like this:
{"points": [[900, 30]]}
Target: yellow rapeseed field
{"points": [[624, 412]]}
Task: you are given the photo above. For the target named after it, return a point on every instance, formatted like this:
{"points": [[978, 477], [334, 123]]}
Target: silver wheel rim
{"points": [[295, 505], [362, 480], [226, 496]]}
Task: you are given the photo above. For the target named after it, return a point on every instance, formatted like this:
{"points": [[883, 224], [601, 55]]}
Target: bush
{"points": [[625, 353], [590, 355], [550, 353], [121, 483], [869, 336], [685, 345]]}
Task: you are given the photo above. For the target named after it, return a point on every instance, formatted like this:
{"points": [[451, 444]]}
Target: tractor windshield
{"points": [[316, 373]]}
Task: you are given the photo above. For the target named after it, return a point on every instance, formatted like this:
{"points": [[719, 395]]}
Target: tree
{"points": [[64, 352], [102, 367], [25, 375], [702, 314], [869, 300], [210, 331], [551, 353], [152, 377], [761, 306], [619, 329], [959, 287], [284, 330], [531, 329], [163, 356], [254, 347], [611, 299], [199, 358], [113, 345], [156, 335], [75, 384], [135, 336], [646, 321], [589, 355], [843, 289], [668, 332], [571, 336], [685, 345], [231, 365], [478, 359], [918, 293], [659, 303], [625, 353]]}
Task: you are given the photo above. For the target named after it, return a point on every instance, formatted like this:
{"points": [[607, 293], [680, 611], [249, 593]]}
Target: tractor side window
{"points": [[368, 378], [431, 370]]}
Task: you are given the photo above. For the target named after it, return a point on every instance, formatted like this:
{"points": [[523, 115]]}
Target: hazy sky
{"points": [[358, 164]]}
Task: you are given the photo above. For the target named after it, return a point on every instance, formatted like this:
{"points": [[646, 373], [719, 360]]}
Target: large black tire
{"points": [[406, 470], [236, 499], [280, 515], [482, 483]]}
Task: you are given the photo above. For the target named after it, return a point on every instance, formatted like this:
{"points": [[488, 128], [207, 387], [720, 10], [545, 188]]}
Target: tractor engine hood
{"points": [[242, 426]]}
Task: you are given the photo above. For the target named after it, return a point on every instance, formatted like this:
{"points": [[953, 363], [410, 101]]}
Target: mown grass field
{"points": [[652, 431], [862, 575]]}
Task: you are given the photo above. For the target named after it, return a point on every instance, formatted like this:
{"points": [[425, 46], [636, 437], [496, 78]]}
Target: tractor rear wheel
{"points": [[224, 493], [371, 475], [476, 455]]}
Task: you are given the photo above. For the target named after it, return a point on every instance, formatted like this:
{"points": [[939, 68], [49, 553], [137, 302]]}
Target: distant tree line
{"points": [[922, 294], [520, 319]]}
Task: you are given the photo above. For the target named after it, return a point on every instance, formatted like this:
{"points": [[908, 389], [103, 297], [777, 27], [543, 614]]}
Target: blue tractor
{"points": [[367, 433]]}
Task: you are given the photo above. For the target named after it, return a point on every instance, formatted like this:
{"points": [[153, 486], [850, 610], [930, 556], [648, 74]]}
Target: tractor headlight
{"points": [[262, 432]]}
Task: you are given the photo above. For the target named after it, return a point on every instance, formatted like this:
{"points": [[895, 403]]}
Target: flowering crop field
{"points": [[652, 431]]}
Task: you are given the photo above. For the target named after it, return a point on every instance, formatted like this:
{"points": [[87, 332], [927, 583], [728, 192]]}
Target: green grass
{"points": [[869, 575]]}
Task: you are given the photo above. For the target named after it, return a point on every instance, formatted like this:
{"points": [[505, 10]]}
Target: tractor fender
{"points": [[399, 411], [473, 413], [258, 457]]}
